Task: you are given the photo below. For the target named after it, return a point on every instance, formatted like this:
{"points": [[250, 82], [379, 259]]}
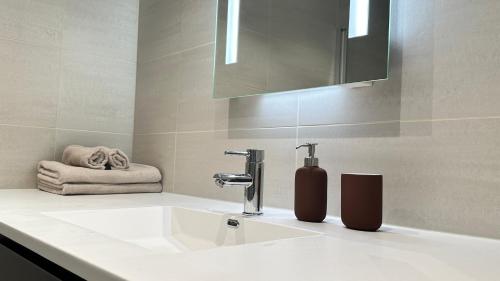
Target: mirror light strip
{"points": [[359, 15], [233, 29]]}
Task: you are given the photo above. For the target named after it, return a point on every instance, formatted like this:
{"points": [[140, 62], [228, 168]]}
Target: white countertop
{"points": [[340, 254]]}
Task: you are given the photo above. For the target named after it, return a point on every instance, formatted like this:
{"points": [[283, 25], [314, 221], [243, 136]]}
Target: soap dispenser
{"points": [[310, 188]]}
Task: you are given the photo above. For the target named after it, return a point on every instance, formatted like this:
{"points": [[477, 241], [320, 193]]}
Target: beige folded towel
{"points": [[117, 158], [58, 173], [88, 189], [88, 157]]}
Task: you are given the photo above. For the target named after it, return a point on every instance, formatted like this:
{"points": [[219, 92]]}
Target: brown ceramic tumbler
{"points": [[361, 201]]}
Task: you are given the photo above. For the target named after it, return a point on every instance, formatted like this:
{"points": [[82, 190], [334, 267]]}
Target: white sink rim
{"points": [[166, 229]]}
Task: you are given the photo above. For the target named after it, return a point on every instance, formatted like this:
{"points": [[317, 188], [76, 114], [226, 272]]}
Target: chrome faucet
{"points": [[252, 180]]}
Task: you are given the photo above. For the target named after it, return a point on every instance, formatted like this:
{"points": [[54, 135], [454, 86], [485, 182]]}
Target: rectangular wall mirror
{"points": [[270, 46]]}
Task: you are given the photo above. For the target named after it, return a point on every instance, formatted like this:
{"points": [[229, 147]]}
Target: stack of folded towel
{"points": [[96, 170]]}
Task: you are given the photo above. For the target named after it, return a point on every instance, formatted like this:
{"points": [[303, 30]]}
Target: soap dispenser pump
{"points": [[310, 188]]}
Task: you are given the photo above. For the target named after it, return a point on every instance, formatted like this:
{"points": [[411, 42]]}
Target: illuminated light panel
{"points": [[359, 16], [233, 30]]}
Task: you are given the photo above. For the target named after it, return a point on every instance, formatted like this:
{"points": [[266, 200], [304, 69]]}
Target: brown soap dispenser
{"points": [[310, 188]]}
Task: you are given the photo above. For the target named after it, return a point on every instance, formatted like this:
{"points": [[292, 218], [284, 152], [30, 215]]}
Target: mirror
{"points": [[269, 46]]}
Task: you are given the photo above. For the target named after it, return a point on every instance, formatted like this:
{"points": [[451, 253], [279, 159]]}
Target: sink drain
{"points": [[233, 223]]}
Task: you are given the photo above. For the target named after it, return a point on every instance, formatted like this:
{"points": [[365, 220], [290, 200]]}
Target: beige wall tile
{"points": [[466, 59], [416, 22], [450, 178], [203, 154], [70, 137], [159, 29], [157, 95], [97, 94], [381, 102], [439, 175], [20, 150], [172, 26], [265, 111], [157, 150], [99, 65], [33, 22], [30, 85], [105, 28], [198, 23]]}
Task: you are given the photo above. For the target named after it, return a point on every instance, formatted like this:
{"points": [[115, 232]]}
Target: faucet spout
{"points": [[223, 180]]}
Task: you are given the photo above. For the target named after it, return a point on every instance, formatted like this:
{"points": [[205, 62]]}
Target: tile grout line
{"points": [[64, 129], [61, 49], [297, 130], [27, 127], [96, 132], [59, 93], [31, 44], [174, 172], [174, 164], [327, 125], [175, 53]]}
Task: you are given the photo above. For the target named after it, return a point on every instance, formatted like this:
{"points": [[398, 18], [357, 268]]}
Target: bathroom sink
{"points": [[176, 230]]}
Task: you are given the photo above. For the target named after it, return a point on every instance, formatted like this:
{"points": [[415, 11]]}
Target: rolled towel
{"points": [[117, 158], [59, 173], [89, 189], [87, 157]]}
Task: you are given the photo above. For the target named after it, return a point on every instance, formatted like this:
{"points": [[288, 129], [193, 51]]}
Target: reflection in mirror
{"points": [[269, 46]]}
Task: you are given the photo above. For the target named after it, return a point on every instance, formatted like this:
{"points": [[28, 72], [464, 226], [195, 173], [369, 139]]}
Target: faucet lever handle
{"points": [[237, 153], [252, 155]]}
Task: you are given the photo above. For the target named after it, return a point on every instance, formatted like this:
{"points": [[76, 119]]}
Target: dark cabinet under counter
{"points": [[17, 263]]}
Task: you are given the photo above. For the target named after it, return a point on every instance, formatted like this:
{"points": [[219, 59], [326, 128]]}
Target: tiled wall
{"points": [[432, 130], [68, 71]]}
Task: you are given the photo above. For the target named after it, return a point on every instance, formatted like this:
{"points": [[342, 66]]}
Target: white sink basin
{"points": [[174, 230]]}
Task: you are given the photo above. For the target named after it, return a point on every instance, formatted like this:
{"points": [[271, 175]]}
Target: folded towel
{"points": [[117, 158], [88, 157], [58, 173], [88, 189]]}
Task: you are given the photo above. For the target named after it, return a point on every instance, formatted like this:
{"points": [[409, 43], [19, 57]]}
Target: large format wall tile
{"points": [[105, 28], [265, 111], [157, 95], [416, 22], [96, 94], [444, 178], [30, 84], [466, 59], [159, 28], [202, 154], [172, 26], [380, 102], [70, 137], [450, 179], [33, 22], [198, 23], [99, 66], [157, 150], [20, 150]]}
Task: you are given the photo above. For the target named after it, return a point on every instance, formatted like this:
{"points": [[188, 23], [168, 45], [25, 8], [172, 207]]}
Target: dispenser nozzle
{"points": [[311, 160]]}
